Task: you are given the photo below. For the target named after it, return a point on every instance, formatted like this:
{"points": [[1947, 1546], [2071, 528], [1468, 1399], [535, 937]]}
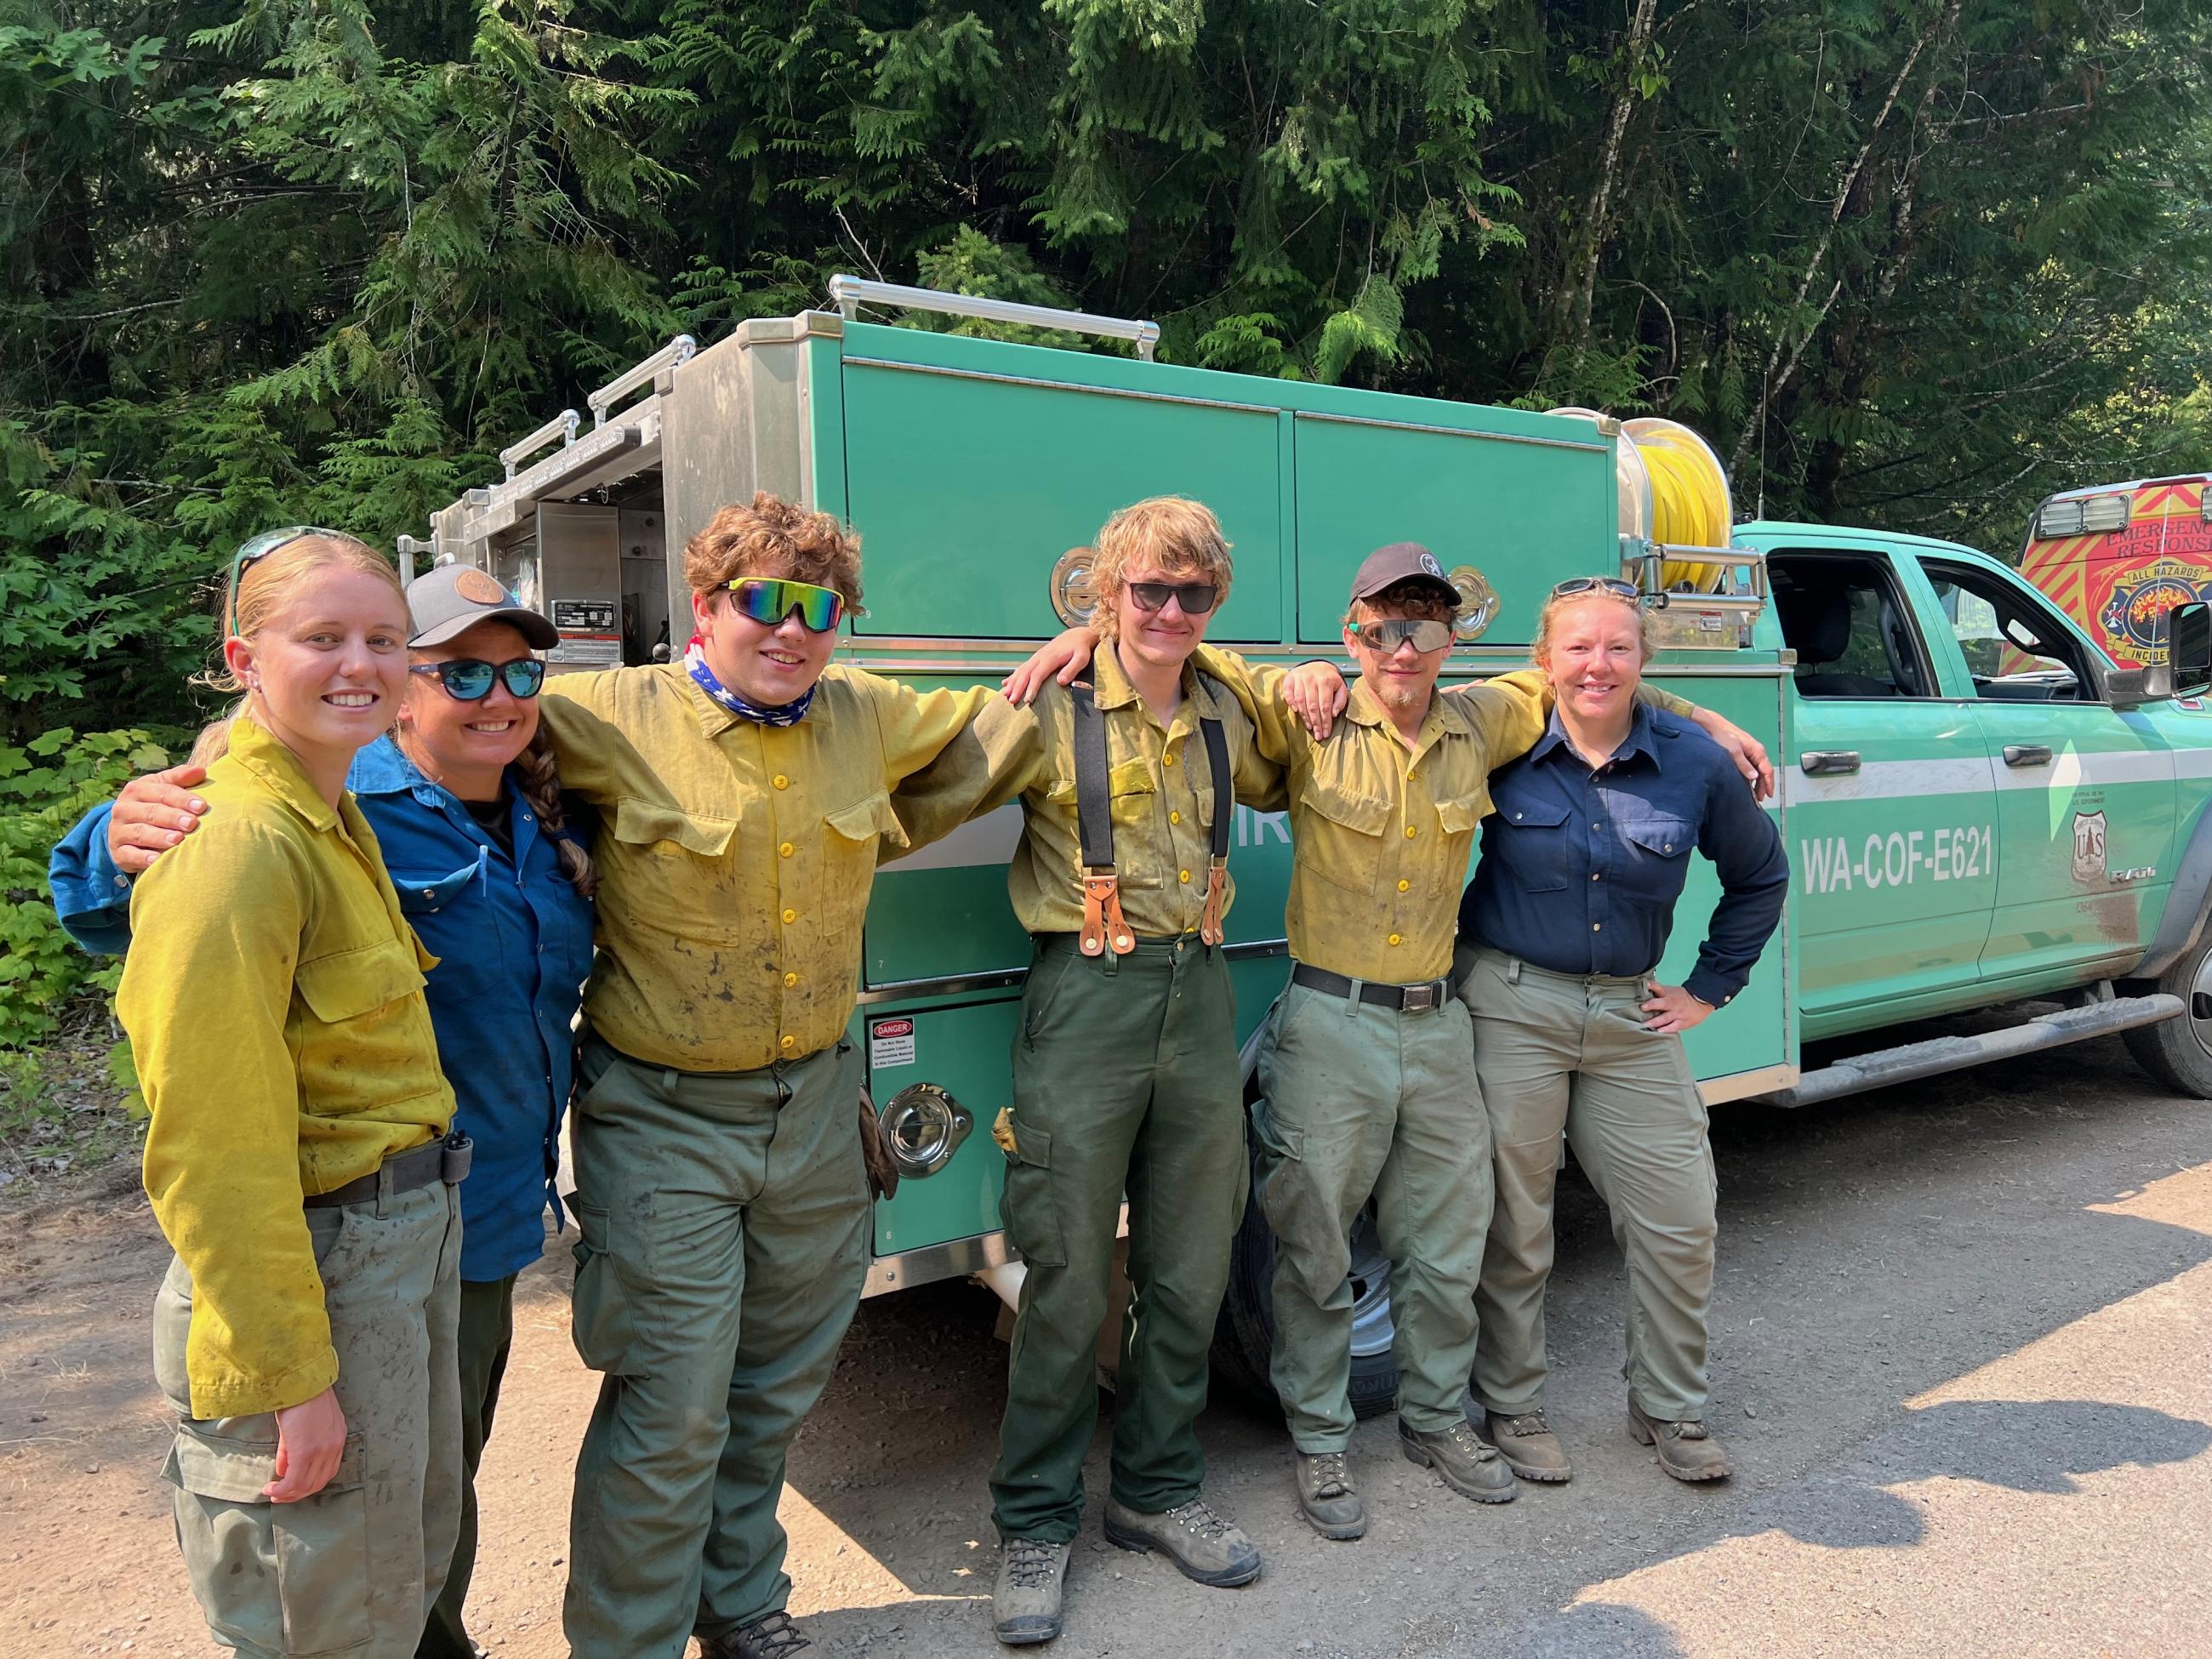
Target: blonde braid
{"points": [[541, 787]]}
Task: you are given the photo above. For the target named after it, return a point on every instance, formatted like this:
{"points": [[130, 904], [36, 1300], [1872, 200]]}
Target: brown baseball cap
{"points": [[1401, 561], [454, 598]]}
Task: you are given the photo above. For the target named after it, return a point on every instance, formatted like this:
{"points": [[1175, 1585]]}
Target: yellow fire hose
{"points": [[1672, 490]]}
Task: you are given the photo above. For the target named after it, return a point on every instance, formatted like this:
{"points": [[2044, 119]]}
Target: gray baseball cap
{"points": [[1401, 561], [454, 598]]}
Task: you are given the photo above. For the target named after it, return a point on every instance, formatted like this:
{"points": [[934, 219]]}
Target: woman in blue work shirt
{"points": [[1560, 933], [466, 806]]}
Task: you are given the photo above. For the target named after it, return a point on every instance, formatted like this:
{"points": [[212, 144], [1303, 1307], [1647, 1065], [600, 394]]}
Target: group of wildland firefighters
{"points": [[353, 1141]]}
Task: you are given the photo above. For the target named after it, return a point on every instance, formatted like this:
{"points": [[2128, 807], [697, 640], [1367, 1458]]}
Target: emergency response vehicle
{"points": [[1981, 804], [2116, 557]]}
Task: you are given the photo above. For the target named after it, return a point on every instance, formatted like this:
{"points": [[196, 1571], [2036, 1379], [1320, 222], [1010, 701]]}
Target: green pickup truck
{"points": [[1981, 808]]}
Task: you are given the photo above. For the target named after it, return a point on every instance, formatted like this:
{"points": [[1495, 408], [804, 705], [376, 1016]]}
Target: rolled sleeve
{"points": [[92, 896]]}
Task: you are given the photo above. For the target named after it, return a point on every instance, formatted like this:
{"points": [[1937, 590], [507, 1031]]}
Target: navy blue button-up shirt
{"points": [[1580, 869], [513, 940]]}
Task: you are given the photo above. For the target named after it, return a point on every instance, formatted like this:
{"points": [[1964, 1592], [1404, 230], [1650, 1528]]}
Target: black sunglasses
{"points": [[468, 679], [1196, 599]]}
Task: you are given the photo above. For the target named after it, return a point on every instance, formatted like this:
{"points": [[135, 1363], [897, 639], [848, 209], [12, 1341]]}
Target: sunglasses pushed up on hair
{"points": [[769, 599], [255, 547], [469, 679], [1614, 585]]}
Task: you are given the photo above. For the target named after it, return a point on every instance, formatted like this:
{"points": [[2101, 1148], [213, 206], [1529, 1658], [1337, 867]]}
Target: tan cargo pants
{"points": [[1564, 1051], [356, 1568]]}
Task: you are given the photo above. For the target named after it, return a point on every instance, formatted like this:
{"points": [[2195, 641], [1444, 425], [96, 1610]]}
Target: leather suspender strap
{"points": [[1094, 822], [1225, 808]]}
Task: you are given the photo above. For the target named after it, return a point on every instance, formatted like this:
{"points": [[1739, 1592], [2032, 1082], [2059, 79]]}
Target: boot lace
{"points": [[773, 1637], [1467, 1442], [1198, 1518], [1330, 1478], [1031, 1562], [1691, 1428]]}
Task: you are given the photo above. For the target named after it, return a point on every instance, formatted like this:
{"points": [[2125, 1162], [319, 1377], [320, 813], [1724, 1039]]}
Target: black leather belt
{"points": [[446, 1160], [1421, 999]]}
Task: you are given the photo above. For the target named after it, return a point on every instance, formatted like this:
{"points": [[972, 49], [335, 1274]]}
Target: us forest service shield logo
{"points": [[2088, 847]]}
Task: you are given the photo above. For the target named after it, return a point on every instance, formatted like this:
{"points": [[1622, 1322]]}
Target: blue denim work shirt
{"points": [[513, 940], [1580, 869]]}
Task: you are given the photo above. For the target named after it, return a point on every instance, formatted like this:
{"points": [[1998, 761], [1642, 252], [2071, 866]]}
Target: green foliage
{"points": [[46, 786]]}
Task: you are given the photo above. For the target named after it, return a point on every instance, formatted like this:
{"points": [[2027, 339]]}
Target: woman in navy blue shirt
{"points": [[467, 807], [1560, 931]]}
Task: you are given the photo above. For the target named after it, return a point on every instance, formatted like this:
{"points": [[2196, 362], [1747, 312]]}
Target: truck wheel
{"points": [[2178, 1053], [1246, 1331]]}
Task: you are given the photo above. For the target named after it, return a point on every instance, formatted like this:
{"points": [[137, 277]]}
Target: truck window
{"points": [[1853, 634], [2016, 651]]}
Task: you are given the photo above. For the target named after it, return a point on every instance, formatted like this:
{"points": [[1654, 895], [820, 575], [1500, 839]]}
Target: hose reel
{"points": [[1673, 490]]}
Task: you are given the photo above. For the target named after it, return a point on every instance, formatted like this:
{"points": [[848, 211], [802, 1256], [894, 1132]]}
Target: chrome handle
{"points": [[2028, 754], [1828, 762]]}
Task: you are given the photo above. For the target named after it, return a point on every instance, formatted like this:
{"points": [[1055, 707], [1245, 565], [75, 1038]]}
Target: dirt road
{"points": [[1963, 1351]]}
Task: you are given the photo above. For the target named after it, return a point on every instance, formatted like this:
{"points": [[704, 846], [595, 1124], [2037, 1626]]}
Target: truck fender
{"points": [[2182, 927]]}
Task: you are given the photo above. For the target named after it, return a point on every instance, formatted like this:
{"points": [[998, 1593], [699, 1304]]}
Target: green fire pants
{"points": [[1126, 1080], [1361, 1101], [724, 1219], [487, 1334], [356, 1568], [1564, 1051]]}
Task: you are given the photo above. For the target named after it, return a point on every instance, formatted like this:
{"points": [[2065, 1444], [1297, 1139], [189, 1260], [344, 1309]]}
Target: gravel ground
{"points": [[1960, 1349]]}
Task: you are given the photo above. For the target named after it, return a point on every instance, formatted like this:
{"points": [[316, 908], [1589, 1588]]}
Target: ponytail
{"points": [[540, 781]]}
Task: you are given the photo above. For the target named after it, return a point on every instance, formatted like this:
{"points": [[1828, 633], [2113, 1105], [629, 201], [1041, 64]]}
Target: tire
{"points": [[2178, 1053], [1246, 1331]]}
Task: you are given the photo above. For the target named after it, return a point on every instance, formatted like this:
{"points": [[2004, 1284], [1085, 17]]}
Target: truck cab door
{"points": [[1891, 798], [2085, 791]]}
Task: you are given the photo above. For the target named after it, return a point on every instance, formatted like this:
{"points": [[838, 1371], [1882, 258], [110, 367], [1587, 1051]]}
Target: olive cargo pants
{"points": [[1126, 1079], [1359, 1100], [1564, 1051], [724, 1226], [487, 1334], [354, 1568]]}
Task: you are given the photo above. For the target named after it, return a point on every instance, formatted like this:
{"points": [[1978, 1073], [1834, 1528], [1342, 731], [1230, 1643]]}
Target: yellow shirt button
{"points": [[1175, 817], [1167, 761], [1394, 939], [1411, 832], [1183, 875], [790, 916], [787, 1044], [791, 979], [780, 781], [784, 851], [1405, 886]]}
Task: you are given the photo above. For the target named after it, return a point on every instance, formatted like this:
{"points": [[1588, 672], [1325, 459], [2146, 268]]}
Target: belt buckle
{"points": [[1418, 999]]}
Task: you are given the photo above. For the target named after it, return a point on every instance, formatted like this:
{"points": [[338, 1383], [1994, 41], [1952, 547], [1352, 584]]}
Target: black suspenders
{"points": [[1102, 901]]}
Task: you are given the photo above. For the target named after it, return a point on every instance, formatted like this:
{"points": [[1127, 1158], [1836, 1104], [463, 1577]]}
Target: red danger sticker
{"points": [[890, 1028], [890, 1042]]}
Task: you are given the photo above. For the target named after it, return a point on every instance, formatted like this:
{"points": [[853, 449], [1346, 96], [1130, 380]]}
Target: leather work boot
{"points": [[1529, 1448], [772, 1637], [1687, 1449], [1326, 1496], [1025, 1601], [1468, 1463], [1203, 1544]]}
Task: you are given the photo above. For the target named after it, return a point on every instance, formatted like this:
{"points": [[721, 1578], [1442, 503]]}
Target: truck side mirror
{"points": [[2189, 648]]}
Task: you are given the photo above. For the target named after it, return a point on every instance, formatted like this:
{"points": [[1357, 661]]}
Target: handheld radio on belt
{"points": [[1101, 897]]}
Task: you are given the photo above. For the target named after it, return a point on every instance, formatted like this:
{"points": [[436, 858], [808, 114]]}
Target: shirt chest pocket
{"points": [[366, 1024], [1133, 804], [854, 837], [1655, 858], [427, 895], [1536, 842], [673, 870], [1351, 848]]}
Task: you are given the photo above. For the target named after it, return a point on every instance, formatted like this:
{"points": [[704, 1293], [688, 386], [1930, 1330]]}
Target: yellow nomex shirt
{"points": [[1163, 797], [1380, 833], [736, 858], [273, 996]]}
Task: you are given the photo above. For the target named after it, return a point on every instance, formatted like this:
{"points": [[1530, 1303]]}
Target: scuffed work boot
{"points": [[1326, 1497], [772, 1637], [1686, 1448], [1468, 1463], [1205, 1547], [1025, 1601], [1529, 1448]]}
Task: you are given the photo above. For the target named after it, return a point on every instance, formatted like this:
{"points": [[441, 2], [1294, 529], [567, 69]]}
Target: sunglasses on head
{"points": [[467, 679], [1614, 585], [1387, 634], [769, 599], [260, 547], [1196, 599]]}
